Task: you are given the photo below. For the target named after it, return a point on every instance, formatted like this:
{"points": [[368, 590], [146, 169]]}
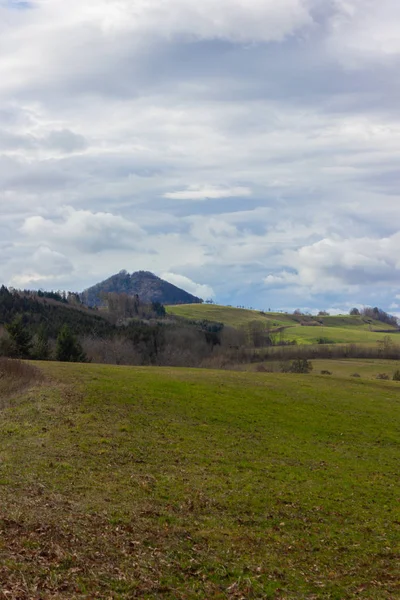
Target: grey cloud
{"points": [[66, 141]]}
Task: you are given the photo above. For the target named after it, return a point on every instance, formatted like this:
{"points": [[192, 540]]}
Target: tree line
{"points": [[125, 331]]}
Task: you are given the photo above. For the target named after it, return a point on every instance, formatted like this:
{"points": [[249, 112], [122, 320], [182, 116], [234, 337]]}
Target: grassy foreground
{"points": [[174, 483]]}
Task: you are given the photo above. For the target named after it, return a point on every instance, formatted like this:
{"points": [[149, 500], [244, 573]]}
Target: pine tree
{"points": [[68, 347], [21, 338], [41, 349]]}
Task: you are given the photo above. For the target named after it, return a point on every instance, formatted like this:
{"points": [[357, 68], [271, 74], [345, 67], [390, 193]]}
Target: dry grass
{"points": [[15, 375]]}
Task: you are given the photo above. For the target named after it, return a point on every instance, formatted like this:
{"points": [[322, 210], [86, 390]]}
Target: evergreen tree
{"points": [[68, 347], [41, 349], [21, 338], [159, 309]]}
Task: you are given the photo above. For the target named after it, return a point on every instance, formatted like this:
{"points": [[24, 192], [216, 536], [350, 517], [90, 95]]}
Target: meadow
{"points": [[234, 317], [134, 482], [335, 335], [341, 329]]}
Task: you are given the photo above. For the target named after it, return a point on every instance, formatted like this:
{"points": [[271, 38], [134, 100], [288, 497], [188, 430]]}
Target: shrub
{"points": [[299, 365], [382, 376], [326, 372], [324, 340], [396, 375]]}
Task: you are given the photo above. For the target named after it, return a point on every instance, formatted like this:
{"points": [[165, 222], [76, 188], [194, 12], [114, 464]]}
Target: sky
{"points": [[245, 150]]}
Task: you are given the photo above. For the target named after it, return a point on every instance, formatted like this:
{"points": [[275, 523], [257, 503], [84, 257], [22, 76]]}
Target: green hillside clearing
{"points": [[234, 317], [179, 484], [335, 329], [335, 335]]}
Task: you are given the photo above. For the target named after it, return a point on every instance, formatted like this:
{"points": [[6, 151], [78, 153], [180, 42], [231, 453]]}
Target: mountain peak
{"points": [[148, 286]]}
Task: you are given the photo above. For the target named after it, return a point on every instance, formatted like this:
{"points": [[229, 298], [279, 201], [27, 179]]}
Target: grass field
{"points": [[120, 482], [340, 368], [335, 329], [368, 369], [336, 335], [234, 317]]}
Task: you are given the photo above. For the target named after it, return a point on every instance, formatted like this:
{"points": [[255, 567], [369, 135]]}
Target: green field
{"points": [[334, 329], [336, 335], [120, 482], [341, 368], [234, 317]]}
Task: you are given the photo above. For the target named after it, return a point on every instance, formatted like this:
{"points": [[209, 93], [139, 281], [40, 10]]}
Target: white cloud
{"points": [[197, 289], [364, 31], [209, 193], [92, 232], [337, 265], [235, 20], [42, 266]]}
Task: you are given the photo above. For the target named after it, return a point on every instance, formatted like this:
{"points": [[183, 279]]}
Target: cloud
{"points": [[65, 141], [209, 193], [43, 266], [341, 264], [249, 144], [197, 289], [91, 232], [235, 20], [364, 31]]}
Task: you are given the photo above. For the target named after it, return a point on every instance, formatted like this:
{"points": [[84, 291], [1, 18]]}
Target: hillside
{"points": [[234, 317], [37, 311], [127, 332], [147, 286], [190, 484], [300, 328]]}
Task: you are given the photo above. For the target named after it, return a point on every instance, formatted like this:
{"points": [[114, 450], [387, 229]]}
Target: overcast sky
{"points": [[242, 149]]}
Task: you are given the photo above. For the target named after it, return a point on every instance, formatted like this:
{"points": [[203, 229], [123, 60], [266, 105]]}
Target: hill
{"points": [[303, 329], [144, 284], [126, 332], [183, 484], [40, 310]]}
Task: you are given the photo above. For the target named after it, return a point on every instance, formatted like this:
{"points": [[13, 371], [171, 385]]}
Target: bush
{"points": [[299, 365], [383, 376], [324, 340], [326, 372], [396, 375]]}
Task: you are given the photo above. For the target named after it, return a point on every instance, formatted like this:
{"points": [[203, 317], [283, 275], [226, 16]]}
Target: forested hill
{"points": [[147, 286], [50, 311], [50, 325]]}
